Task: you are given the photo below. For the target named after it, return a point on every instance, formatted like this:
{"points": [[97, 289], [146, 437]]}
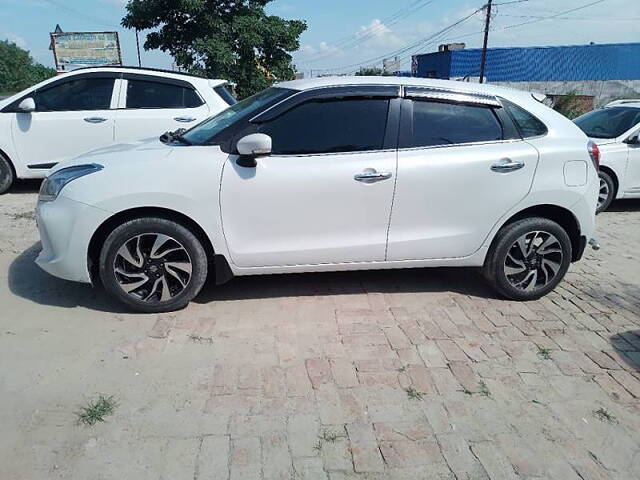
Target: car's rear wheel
{"points": [[153, 265], [6, 174], [606, 193], [528, 259]]}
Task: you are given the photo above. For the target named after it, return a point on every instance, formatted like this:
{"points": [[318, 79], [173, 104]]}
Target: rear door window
{"points": [[150, 94], [440, 123]]}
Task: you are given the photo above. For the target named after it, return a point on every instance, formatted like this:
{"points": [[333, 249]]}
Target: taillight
{"points": [[594, 153]]}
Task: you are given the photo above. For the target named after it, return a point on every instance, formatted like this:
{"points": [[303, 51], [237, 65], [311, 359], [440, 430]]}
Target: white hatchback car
{"points": [[616, 130], [90, 108], [329, 174]]}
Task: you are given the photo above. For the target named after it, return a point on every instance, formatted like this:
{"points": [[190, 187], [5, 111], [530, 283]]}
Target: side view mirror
{"points": [[27, 105], [251, 146]]}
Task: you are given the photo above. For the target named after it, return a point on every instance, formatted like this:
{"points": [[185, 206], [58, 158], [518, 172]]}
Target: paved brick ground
{"points": [[381, 375]]}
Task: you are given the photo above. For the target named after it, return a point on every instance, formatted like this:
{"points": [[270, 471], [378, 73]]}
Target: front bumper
{"points": [[66, 228]]}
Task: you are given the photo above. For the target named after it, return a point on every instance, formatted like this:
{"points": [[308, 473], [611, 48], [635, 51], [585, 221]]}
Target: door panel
{"points": [[150, 108], [72, 116], [448, 198], [132, 125], [51, 137], [632, 179], [295, 210]]}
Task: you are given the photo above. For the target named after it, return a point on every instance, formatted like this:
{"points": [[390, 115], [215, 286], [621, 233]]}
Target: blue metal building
{"points": [[615, 61]]}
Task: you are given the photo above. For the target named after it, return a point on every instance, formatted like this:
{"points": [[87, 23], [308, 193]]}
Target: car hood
{"points": [[142, 150]]}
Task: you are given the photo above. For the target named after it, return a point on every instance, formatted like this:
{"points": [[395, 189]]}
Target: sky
{"points": [[344, 35]]}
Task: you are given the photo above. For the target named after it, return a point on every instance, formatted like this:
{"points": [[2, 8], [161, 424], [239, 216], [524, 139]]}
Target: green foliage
{"points": [[97, 409], [18, 70], [372, 72], [568, 106], [231, 39]]}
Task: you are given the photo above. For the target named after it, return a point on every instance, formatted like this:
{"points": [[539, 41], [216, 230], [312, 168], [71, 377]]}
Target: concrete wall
{"points": [[602, 91]]}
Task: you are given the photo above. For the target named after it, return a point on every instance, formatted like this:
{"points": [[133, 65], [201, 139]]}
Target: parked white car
{"points": [[616, 130], [329, 174], [88, 108]]}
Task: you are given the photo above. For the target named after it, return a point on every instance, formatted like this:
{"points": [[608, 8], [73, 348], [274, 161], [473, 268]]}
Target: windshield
{"points": [[608, 122], [207, 130]]}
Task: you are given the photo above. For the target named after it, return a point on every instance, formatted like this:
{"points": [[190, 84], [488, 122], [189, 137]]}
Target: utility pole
{"points": [[138, 47], [486, 40]]}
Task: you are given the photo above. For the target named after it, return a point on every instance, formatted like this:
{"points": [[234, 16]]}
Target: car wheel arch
{"points": [[562, 216], [102, 232], [616, 181], [8, 159]]}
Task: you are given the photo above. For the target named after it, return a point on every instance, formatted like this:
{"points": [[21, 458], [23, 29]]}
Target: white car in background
{"points": [[90, 108], [616, 130], [346, 173]]}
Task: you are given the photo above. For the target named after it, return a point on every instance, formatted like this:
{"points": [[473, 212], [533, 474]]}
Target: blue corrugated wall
{"points": [[538, 64], [439, 63]]}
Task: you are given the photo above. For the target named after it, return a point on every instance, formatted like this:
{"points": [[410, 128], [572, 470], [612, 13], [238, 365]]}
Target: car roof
{"points": [[337, 81], [151, 71], [624, 105]]}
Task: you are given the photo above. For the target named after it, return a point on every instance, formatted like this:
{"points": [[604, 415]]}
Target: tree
{"points": [[231, 39], [373, 72], [568, 105], [18, 70]]}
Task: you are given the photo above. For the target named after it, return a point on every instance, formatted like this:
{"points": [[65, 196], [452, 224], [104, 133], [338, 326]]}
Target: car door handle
{"points": [[184, 119], [95, 119], [506, 165], [371, 176]]}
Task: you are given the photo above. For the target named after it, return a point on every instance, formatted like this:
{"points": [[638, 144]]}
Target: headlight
{"points": [[55, 182]]}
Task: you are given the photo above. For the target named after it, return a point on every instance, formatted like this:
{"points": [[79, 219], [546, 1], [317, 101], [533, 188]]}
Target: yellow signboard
{"points": [[78, 49]]}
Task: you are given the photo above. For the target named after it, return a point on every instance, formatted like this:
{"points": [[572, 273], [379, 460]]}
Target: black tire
{"points": [[143, 232], [608, 188], [7, 176], [545, 279]]}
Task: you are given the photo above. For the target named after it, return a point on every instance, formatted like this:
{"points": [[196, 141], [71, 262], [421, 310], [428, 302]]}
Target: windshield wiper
{"points": [[175, 136]]}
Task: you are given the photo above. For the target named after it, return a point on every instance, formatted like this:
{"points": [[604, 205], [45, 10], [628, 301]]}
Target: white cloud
{"points": [[376, 28], [17, 39]]}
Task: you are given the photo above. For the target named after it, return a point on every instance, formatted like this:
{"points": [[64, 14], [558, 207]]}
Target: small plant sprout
{"points": [[544, 353], [30, 215], [202, 340], [484, 390], [604, 416], [327, 437], [413, 394], [97, 409]]}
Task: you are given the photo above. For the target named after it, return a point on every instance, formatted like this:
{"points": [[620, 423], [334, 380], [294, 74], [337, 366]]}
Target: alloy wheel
{"points": [[603, 193], [533, 260], [152, 267]]}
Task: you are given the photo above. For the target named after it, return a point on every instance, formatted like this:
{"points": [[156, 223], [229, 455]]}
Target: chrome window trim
{"points": [[469, 144], [326, 154], [451, 96]]}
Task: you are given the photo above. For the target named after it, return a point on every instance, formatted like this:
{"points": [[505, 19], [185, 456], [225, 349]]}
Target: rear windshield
{"points": [[608, 122], [225, 94]]}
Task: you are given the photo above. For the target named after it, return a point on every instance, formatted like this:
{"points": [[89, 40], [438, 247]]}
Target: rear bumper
{"points": [[66, 228]]}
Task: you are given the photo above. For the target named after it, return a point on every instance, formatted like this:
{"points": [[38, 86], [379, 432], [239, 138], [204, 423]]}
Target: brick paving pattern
{"points": [[419, 374]]}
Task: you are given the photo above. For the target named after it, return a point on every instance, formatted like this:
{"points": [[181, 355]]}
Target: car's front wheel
{"points": [[606, 191], [528, 259], [153, 265], [6, 174]]}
